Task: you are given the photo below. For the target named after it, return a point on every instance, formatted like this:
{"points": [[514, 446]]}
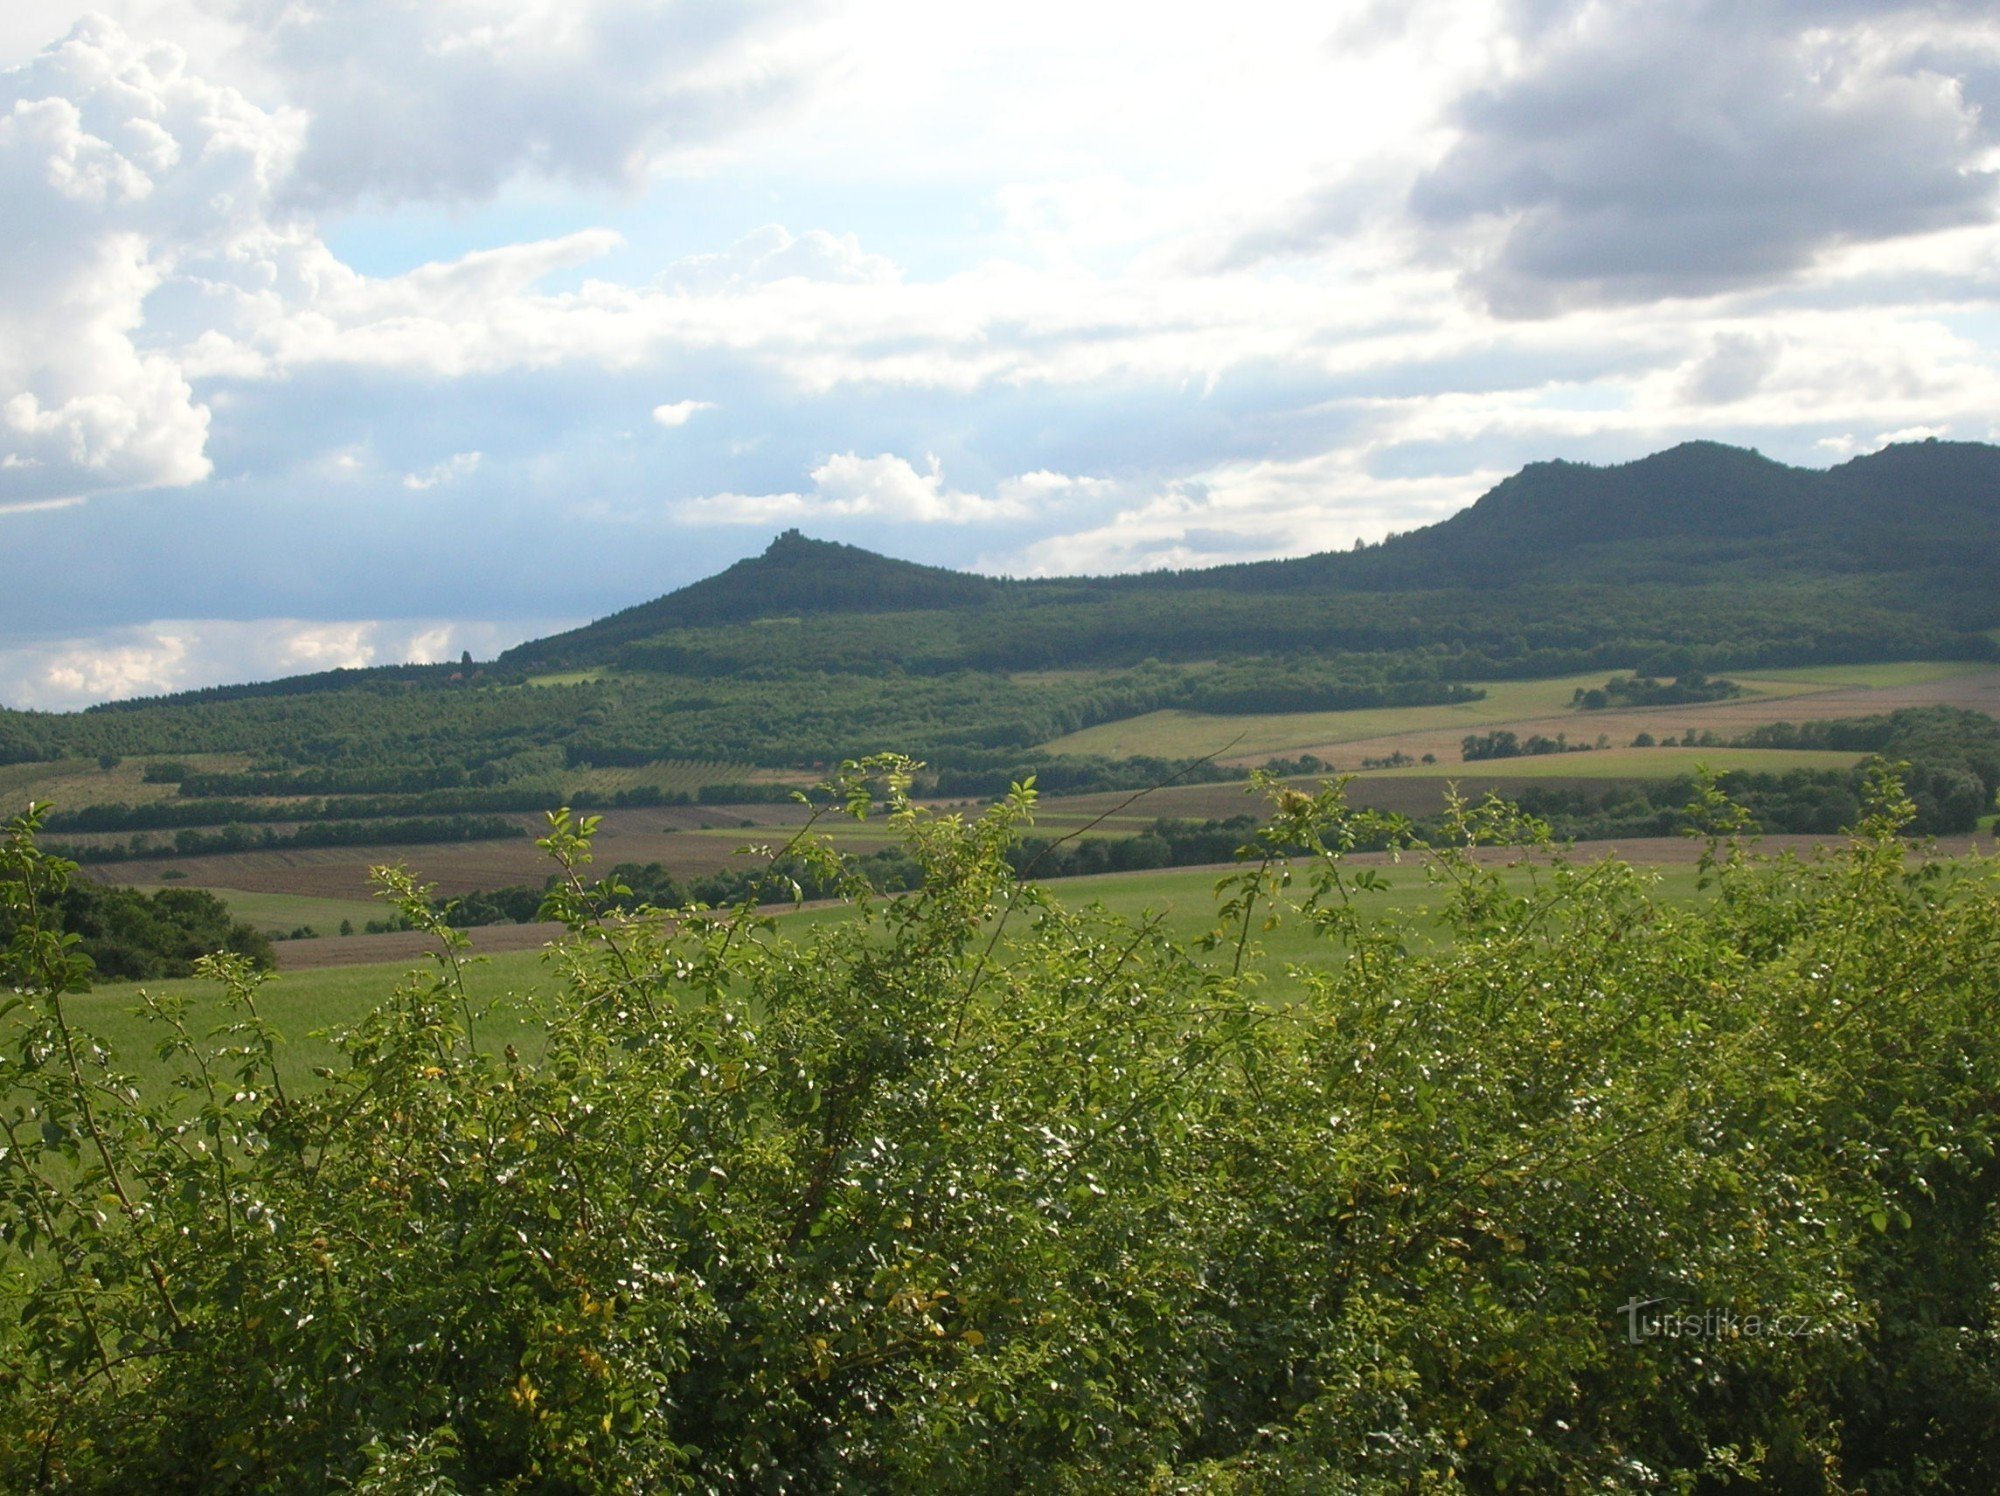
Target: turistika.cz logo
{"points": [[1664, 1319]]}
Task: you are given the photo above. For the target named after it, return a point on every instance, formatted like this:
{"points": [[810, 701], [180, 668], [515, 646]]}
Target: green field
{"points": [[1627, 763], [1879, 677], [70, 783], [304, 1003], [1185, 734], [682, 776], [285, 912], [1179, 734], [568, 677], [300, 1004], [1186, 899]]}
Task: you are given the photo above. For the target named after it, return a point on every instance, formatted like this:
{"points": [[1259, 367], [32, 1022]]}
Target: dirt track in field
{"points": [[1727, 719]]}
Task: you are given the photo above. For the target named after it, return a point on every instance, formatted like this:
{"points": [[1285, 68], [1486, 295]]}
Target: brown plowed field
{"points": [[688, 840]]}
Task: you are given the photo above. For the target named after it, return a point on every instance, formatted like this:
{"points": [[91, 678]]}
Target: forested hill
{"points": [[1918, 523], [1703, 558], [795, 575]]}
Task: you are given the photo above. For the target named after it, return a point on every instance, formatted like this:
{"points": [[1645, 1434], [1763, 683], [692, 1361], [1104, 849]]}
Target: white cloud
{"points": [[33, 506], [181, 654], [775, 253], [680, 412], [847, 486], [458, 465], [1245, 511], [117, 168], [1911, 434]]}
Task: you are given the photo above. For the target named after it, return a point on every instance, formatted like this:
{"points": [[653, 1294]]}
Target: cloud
{"points": [[774, 253], [1240, 511], [1693, 147], [1734, 366], [1204, 280], [450, 99], [117, 169], [181, 654], [680, 412], [458, 465], [35, 506], [847, 486]]}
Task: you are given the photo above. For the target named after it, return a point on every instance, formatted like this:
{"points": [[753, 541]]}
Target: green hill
{"points": [[795, 575], [1908, 538], [1700, 558]]}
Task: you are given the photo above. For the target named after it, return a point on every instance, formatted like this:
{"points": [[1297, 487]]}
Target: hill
{"points": [[1912, 532], [795, 574], [1702, 558]]}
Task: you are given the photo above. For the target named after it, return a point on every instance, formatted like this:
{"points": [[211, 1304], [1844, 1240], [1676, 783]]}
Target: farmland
{"points": [[306, 1000], [1628, 763], [1538, 706], [332, 883]]}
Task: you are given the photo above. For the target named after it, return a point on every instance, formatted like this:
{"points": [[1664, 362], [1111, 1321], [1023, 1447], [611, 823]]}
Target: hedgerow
{"points": [[973, 1191]]}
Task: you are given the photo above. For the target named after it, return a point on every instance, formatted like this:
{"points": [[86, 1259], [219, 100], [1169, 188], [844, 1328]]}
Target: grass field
{"points": [[70, 783], [300, 1004], [303, 1003], [568, 677], [285, 912], [1541, 706], [1179, 734], [673, 776], [1882, 677]]}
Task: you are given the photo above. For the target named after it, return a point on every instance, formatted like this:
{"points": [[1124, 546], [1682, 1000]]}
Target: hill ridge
{"points": [[1698, 511]]}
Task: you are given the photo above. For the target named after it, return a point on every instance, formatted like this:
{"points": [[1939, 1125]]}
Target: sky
{"points": [[346, 332]]}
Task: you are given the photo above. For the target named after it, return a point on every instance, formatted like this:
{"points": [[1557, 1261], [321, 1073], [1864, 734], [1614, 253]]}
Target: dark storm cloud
{"points": [[1686, 149]]}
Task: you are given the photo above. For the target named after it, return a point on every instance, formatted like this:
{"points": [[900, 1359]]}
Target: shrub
{"points": [[970, 1191]]}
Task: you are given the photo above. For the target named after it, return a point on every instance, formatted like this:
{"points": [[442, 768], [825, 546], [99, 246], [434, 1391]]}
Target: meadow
{"points": [[307, 1005], [1543, 706], [278, 914], [75, 782]]}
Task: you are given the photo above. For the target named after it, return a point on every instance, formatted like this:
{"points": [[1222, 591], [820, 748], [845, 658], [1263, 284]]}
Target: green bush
{"points": [[971, 1191]]}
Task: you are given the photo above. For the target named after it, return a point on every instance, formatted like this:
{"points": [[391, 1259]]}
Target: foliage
{"points": [[1644, 690], [1947, 760], [974, 1192], [1504, 743], [125, 935]]}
